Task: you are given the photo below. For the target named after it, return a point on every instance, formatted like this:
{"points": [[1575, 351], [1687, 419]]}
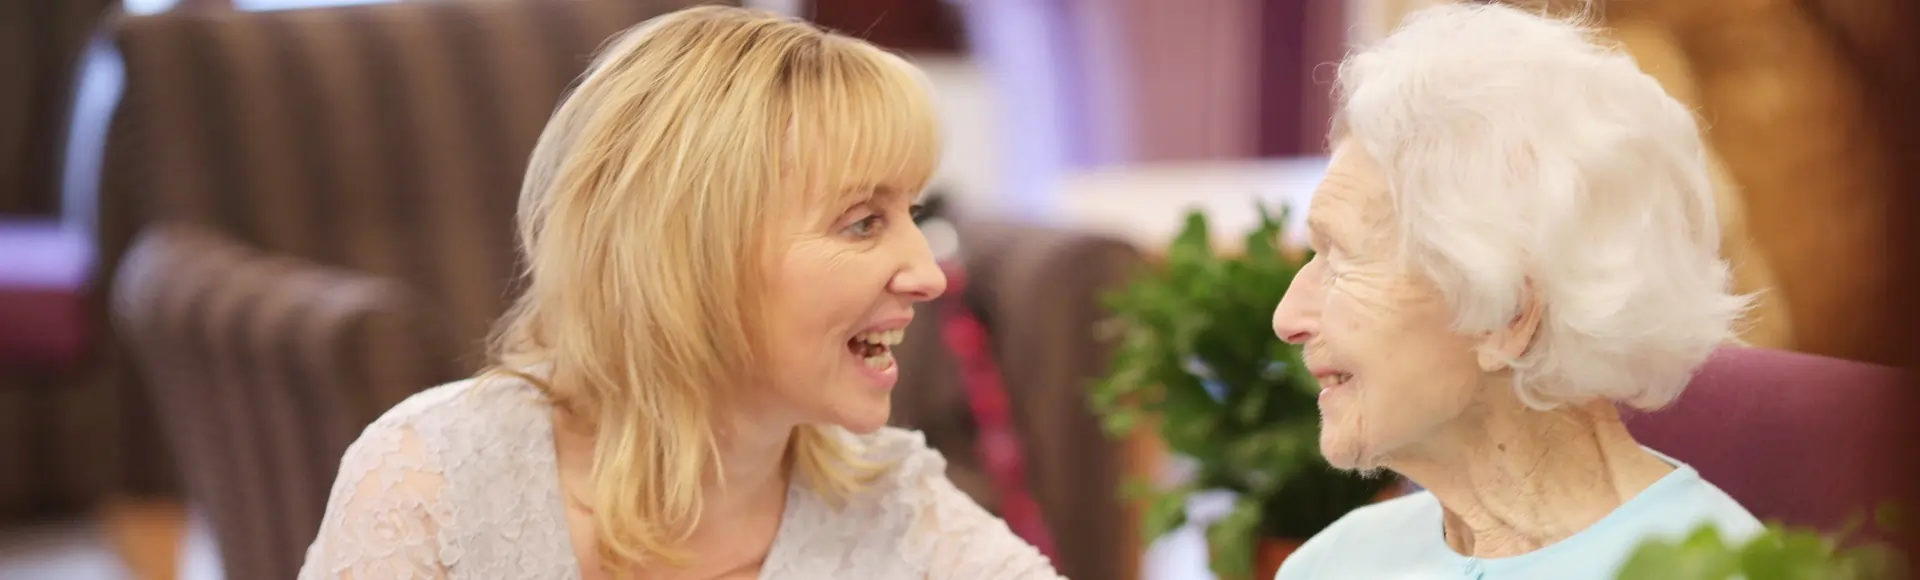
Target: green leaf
{"points": [[1232, 540], [1800, 554], [1194, 244], [1258, 436], [1778, 553], [1850, 526], [1658, 560], [1874, 563], [1262, 245], [1166, 513]]}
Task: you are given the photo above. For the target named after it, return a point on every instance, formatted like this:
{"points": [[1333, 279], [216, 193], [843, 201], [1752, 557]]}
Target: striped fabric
{"points": [[260, 361], [384, 140], [388, 138]]}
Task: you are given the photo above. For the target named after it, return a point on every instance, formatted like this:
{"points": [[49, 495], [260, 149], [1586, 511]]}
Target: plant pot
{"points": [[1271, 552]]}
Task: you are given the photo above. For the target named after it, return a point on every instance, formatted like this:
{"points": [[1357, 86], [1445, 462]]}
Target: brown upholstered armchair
{"points": [[327, 198], [324, 202]]}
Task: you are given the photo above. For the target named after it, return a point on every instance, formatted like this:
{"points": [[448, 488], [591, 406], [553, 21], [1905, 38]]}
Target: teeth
{"points": [[879, 361], [886, 337]]}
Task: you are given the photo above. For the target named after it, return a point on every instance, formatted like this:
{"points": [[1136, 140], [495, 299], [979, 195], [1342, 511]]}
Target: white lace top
{"points": [[461, 481]]}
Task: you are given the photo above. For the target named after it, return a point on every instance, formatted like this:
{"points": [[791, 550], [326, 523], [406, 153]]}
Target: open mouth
{"points": [[875, 349], [1330, 380]]}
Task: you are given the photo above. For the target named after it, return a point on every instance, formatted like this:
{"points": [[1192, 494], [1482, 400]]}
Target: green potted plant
{"points": [[1778, 553], [1197, 353]]}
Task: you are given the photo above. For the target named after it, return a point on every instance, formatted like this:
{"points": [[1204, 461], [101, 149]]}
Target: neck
{"points": [[753, 468], [751, 477], [1512, 480]]}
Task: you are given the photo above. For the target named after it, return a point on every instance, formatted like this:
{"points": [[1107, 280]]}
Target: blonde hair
{"points": [[647, 219]]}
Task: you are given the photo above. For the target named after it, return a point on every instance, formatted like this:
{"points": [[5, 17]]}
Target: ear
{"points": [[1509, 343]]}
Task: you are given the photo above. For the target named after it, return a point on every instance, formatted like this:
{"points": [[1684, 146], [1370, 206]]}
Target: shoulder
{"points": [[1669, 510], [464, 407], [903, 462], [1399, 516], [1407, 510], [935, 529], [1393, 526], [899, 471], [459, 401], [902, 450], [1724, 511], [468, 423], [1683, 501]]}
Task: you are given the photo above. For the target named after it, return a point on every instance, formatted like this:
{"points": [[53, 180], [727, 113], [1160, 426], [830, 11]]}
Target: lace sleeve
{"points": [[384, 514], [957, 538]]}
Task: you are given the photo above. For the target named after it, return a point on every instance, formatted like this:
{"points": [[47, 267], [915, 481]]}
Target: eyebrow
{"points": [[884, 193], [1322, 234]]}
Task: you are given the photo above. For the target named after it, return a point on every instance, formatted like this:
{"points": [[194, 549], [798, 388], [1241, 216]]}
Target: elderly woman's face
{"points": [[1377, 336], [843, 293]]}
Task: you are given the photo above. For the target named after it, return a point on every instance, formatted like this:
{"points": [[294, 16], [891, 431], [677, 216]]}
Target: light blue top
{"points": [[1402, 538]]}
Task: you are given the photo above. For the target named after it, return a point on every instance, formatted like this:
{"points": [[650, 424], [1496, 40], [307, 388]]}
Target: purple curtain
{"points": [[1085, 83]]}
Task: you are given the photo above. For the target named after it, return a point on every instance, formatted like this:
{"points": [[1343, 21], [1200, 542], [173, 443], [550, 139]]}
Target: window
{"points": [[148, 6], [293, 4], [158, 6]]}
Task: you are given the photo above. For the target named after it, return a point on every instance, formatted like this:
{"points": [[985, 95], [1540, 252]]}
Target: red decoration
{"points": [[999, 442]]}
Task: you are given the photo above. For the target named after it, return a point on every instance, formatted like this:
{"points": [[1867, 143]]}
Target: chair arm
{"points": [[263, 368], [1040, 290]]}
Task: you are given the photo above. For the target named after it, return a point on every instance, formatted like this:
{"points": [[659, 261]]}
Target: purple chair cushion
{"points": [[1799, 439], [44, 269]]}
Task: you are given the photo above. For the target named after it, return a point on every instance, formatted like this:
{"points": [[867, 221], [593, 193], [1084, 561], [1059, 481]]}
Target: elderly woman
{"points": [[1515, 235], [720, 249]]}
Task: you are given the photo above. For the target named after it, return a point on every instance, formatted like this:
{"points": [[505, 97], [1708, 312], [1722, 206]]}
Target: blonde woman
{"points": [[721, 251]]}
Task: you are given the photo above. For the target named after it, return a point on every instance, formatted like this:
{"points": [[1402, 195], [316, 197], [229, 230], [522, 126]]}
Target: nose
{"points": [[1297, 319], [919, 277]]}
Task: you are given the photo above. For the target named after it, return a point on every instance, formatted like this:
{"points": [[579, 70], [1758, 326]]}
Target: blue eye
{"points": [[866, 227]]}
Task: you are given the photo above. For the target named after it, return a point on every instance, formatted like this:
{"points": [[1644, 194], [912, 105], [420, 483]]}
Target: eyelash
{"points": [[1328, 278], [914, 212]]}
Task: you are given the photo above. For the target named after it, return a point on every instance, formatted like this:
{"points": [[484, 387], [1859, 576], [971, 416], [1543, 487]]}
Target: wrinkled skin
{"points": [[1356, 309], [1436, 405]]}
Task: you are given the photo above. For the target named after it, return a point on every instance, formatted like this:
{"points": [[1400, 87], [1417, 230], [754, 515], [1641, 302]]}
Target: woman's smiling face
{"points": [[844, 284], [1378, 336]]}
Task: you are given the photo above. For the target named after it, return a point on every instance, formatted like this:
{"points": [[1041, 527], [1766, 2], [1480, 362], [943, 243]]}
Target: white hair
{"points": [[1525, 157]]}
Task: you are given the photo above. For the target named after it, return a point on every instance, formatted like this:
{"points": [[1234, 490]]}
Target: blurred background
{"points": [[232, 232]]}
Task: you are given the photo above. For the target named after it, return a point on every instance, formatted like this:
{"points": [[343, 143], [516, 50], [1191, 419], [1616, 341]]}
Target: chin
{"points": [[1340, 453], [1345, 446], [863, 427], [865, 421]]}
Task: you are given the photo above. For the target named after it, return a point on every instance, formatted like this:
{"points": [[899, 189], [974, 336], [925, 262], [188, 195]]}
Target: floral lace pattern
{"points": [[460, 481]]}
